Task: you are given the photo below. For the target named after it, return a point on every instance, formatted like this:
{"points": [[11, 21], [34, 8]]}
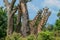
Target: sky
{"points": [[35, 5]]}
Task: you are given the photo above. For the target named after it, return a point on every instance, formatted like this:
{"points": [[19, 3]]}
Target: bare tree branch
{"points": [[14, 10], [12, 3], [6, 2]]}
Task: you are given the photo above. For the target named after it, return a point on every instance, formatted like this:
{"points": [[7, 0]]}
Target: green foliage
{"points": [[57, 24], [57, 38], [45, 36], [58, 15], [49, 27], [15, 19], [3, 23], [41, 36], [14, 36], [31, 37]]}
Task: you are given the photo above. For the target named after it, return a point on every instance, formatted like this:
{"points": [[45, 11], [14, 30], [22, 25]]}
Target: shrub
{"points": [[41, 36], [14, 36], [45, 36], [31, 37], [57, 38]]}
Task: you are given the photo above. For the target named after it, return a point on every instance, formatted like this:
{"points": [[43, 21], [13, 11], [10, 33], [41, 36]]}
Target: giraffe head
{"points": [[46, 9]]}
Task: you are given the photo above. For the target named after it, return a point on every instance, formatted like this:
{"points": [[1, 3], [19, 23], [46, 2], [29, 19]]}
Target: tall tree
{"points": [[57, 25], [10, 13], [25, 18], [58, 21], [18, 28]]}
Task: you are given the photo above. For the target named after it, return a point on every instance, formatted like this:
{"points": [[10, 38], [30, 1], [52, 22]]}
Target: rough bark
{"points": [[25, 19], [10, 23], [10, 14], [18, 28]]}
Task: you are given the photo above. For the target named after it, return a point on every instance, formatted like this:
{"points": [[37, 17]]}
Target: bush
{"points": [[41, 36], [45, 36], [57, 38], [31, 37], [14, 36]]}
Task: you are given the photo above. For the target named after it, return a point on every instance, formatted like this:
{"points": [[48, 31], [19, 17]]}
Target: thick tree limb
{"points": [[14, 10], [6, 2], [12, 3]]}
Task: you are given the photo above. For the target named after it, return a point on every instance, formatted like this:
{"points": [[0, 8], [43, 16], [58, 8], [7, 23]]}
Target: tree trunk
{"points": [[10, 22], [18, 28], [10, 13], [25, 19]]}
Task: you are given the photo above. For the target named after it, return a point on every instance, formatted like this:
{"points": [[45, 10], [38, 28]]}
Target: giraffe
{"points": [[45, 15], [32, 23], [49, 13]]}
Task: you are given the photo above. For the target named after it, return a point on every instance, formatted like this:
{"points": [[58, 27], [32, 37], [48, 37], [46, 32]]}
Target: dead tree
{"points": [[10, 13]]}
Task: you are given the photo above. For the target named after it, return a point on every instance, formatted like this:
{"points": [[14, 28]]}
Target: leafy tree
{"points": [[49, 27], [3, 22], [25, 18], [57, 25], [58, 21]]}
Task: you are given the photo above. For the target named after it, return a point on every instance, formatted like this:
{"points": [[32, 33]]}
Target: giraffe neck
{"points": [[43, 21]]}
